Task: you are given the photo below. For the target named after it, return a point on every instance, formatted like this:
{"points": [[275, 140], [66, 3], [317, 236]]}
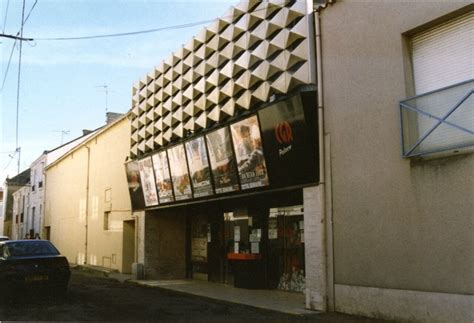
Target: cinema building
{"points": [[237, 177], [224, 168]]}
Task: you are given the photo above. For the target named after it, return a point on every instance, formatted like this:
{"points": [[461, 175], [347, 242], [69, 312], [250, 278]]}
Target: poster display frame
{"points": [[241, 188], [194, 189]]}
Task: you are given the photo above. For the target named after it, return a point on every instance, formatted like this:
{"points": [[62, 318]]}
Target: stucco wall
{"points": [[66, 187], [397, 224]]}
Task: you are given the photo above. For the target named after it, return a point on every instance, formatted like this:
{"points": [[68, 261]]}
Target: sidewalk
{"points": [[106, 272], [274, 300], [280, 301]]}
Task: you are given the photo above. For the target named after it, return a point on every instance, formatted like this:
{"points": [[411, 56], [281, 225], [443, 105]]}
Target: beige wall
{"points": [[66, 198], [397, 224]]}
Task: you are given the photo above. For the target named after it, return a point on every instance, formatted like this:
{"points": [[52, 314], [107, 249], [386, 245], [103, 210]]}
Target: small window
{"points": [[108, 195], [106, 220], [40, 184]]}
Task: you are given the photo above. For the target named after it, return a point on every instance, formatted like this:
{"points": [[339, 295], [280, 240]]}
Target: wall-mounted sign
{"points": [[179, 173], [199, 167], [147, 177], [288, 150], [249, 153], [134, 185], [163, 177], [224, 170]]}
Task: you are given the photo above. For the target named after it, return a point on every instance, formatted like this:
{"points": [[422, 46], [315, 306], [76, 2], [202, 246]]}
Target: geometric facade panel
{"points": [[255, 51]]}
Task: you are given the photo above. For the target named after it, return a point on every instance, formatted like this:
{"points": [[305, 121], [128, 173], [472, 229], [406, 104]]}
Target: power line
{"points": [[132, 32], [173, 27], [6, 15], [29, 13], [16, 39], [8, 66]]}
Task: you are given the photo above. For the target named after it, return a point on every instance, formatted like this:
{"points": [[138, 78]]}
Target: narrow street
{"points": [[92, 297]]}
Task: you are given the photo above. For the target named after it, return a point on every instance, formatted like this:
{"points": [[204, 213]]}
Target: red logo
{"points": [[283, 133]]}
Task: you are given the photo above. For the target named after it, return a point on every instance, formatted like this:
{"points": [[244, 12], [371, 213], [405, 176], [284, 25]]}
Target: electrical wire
{"points": [[132, 32], [6, 15], [8, 65], [29, 13], [173, 27], [14, 44]]}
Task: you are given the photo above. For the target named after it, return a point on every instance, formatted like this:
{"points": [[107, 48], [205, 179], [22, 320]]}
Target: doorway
{"points": [[128, 249]]}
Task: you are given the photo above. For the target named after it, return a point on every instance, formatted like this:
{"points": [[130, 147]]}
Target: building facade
{"points": [[21, 213], [373, 216], [225, 171], [87, 201], [398, 121], [11, 186]]}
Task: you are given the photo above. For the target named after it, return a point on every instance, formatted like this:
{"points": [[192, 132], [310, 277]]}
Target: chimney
{"points": [[86, 131], [112, 116]]}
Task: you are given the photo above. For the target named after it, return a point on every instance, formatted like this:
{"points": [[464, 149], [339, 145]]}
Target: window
{"points": [[440, 117], [113, 221], [108, 195], [106, 220]]}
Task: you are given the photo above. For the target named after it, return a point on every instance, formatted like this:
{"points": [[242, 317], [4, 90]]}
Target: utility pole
{"points": [[18, 150]]}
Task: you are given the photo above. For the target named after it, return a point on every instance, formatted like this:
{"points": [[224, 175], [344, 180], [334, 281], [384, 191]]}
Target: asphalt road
{"points": [[95, 298]]}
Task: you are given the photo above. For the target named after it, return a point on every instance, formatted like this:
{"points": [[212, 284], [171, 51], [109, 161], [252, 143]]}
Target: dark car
{"points": [[33, 265]]}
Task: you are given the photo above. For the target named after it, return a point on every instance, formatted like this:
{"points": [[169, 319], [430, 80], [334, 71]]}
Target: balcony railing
{"points": [[438, 121]]}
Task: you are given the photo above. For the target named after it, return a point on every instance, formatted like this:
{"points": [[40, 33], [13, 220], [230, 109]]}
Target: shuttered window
{"points": [[441, 116], [444, 55]]}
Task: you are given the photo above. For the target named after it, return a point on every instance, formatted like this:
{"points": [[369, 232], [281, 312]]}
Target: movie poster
{"points": [[134, 186], [179, 173], [249, 153], [199, 167], [163, 177], [147, 177], [224, 170]]}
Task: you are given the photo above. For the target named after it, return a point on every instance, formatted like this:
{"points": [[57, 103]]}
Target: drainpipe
{"points": [[324, 167], [87, 203]]}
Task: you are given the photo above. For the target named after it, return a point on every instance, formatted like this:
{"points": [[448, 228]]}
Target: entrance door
{"points": [[216, 252], [128, 240], [286, 261]]}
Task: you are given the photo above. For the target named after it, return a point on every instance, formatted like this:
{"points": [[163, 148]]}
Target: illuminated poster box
{"points": [[179, 173], [221, 156], [147, 177], [199, 167], [249, 153], [134, 185], [163, 177]]}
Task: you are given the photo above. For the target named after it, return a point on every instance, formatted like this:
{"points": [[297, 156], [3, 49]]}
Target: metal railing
{"points": [[438, 121]]}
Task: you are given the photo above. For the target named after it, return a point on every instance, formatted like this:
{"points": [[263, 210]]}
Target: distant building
{"points": [[88, 214], [11, 186], [1, 211]]}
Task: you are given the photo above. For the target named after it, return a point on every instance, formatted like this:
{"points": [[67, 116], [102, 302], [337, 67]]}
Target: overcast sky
{"points": [[60, 80]]}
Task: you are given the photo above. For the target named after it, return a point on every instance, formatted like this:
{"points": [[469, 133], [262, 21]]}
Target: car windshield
{"points": [[28, 248]]}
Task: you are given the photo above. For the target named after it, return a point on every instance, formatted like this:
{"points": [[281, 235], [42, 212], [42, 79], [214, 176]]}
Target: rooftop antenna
{"points": [[106, 91], [63, 132]]}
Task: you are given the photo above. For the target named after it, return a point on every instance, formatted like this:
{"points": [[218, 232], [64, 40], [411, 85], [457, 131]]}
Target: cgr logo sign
{"points": [[284, 133]]}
